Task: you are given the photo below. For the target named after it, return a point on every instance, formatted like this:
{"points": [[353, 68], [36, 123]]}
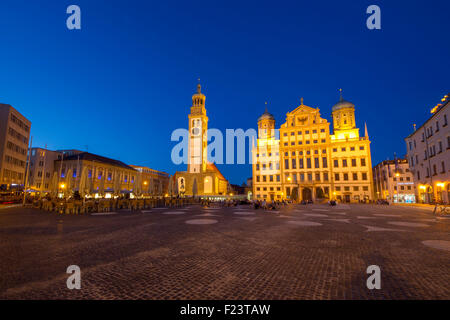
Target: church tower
{"points": [[343, 115], [266, 125], [198, 133], [344, 123]]}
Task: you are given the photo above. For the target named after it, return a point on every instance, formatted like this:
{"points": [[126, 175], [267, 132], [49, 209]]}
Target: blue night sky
{"points": [[124, 82]]}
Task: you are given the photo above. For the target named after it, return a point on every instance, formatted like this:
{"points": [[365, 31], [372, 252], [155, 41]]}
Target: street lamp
{"points": [[440, 185]]}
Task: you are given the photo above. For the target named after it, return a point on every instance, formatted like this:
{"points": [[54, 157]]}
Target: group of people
{"points": [[269, 205]]}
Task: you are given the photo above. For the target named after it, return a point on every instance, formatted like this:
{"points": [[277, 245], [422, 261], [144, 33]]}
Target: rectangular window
{"points": [[345, 176], [324, 162], [355, 176], [336, 163], [286, 164], [363, 162], [364, 176], [344, 163], [353, 162], [294, 164], [325, 176], [308, 163], [300, 163], [317, 176], [316, 163], [336, 177]]}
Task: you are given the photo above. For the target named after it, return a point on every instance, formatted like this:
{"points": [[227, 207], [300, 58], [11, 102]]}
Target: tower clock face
{"points": [[195, 131]]}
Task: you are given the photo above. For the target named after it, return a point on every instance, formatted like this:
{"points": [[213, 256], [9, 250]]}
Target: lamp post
{"points": [[397, 175]]}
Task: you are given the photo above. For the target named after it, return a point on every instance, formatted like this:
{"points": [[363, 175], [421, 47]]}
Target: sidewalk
{"points": [[415, 205], [6, 206]]}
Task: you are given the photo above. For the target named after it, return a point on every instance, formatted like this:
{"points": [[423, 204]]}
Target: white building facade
{"points": [[394, 182], [428, 154]]}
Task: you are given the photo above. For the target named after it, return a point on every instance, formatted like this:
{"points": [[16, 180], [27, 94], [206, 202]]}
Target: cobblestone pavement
{"points": [[300, 252]]}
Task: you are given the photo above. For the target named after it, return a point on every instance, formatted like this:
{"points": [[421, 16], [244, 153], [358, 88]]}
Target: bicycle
{"points": [[441, 210]]}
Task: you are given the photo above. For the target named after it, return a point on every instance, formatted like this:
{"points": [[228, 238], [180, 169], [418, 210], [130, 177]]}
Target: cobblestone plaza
{"points": [[298, 252]]}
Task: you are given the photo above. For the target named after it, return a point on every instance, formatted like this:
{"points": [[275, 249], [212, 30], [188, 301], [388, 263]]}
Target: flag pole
{"points": [[26, 172]]}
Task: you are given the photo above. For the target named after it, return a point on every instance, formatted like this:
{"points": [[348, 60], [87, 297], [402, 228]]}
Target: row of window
{"points": [[430, 153], [13, 133], [354, 188], [15, 148], [344, 149], [434, 170], [270, 166], [20, 123], [14, 161], [39, 174], [268, 178], [429, 132], [99, 175], [401, 179], [300, 132], [38, 185], [295, 178], [11, 174], [302, 164], [352, 161], [264, 155], [306, 142], [268, 189], [402, 188], [345, 176]]}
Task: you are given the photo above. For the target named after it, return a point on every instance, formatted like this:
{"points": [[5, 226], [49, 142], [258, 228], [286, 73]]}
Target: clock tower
{"points": [[198, 134]]}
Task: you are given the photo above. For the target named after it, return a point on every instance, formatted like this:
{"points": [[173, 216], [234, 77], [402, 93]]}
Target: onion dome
{"points": [[266, 116]]}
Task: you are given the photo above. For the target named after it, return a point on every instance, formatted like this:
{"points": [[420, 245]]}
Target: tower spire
{"points": [[301, 101], [366, 133], [340, 95], [199, 86], [266, 107]]}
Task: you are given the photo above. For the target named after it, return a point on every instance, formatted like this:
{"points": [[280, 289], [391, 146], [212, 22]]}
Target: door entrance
{"points": [[306, 194]]}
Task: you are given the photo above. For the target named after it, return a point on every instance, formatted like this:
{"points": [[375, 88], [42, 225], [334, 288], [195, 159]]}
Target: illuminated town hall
{"points": [[307, 162]]}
